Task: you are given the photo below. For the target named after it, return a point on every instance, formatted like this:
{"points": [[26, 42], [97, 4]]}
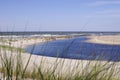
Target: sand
{"points": [[109, 39], [48, 62]]}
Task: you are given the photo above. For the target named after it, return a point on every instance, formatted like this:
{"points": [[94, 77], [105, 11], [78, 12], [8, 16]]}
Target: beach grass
{"points": [[14, 68], [19, 72], [8, 47]]}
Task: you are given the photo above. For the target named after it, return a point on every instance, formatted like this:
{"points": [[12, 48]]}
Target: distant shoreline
{"points": [[23, 33]]}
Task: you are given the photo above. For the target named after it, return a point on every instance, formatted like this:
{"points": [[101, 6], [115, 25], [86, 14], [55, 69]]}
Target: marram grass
{"points": [[8, 47], [97, 71], [13, 68]]}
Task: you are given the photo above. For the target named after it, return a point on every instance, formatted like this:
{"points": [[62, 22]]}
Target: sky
{"points": [[60, 15]]}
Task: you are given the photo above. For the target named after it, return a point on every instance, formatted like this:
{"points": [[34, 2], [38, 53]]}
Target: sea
{"points": [[29, 33]]}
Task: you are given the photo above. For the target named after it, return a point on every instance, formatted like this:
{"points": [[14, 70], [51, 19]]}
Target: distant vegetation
{"points": [[11, 48]]}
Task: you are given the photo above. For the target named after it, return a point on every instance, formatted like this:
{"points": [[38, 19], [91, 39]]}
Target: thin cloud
{"points": [[106, 13], [111, 11], [101, 3], [103, 15]]}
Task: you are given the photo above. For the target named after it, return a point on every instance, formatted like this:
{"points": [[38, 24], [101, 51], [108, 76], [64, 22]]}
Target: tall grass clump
{"points": [[14, 67]]}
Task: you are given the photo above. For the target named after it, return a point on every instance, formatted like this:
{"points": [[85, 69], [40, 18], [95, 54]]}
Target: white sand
{"points": [[64, 66], [112, 40]]}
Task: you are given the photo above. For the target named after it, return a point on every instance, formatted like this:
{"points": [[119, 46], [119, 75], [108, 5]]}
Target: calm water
{"points": [[57, 33], [77, 48]]}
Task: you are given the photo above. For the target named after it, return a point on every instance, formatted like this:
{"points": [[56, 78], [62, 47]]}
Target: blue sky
{"points": [[59, 15]]}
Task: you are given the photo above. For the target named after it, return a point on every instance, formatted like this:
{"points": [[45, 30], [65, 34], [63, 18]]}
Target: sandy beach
{"points": [[49, 62], [109, 39], [35, 59]]}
